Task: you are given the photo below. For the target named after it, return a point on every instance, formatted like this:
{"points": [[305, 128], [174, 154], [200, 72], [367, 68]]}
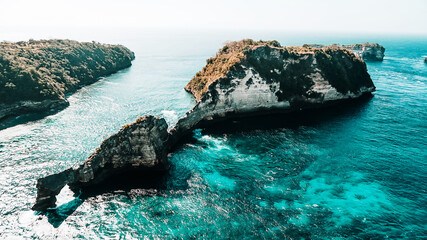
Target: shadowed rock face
{"points": [[141, 145], [246, 78]]}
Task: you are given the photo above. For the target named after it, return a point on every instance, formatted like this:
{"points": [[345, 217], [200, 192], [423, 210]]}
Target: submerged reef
{"points": [[245, 78], [35, 76]]}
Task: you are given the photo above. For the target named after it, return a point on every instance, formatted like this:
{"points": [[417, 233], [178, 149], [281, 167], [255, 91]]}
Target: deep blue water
{"points": [[358, 173]]}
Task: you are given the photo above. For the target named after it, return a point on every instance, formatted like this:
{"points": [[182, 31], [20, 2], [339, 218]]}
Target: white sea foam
{"points": [[66, 195], [170, 116]]}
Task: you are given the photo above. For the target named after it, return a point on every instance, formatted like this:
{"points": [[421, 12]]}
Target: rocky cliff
{"points": [[141, 146], [366, 51], [254, 78], [245, 78], [35, 76]]}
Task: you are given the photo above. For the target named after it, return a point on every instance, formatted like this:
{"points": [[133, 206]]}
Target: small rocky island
{"points": [[245, 78], [367, 51], [35, 76]]}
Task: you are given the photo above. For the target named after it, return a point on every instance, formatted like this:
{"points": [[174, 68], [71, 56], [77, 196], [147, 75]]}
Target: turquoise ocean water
{"points": [[357, 173]]}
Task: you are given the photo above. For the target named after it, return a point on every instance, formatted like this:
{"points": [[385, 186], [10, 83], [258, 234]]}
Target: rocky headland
{"points": [[366, 51], [141, 145], [35, 76], [245, 78]]}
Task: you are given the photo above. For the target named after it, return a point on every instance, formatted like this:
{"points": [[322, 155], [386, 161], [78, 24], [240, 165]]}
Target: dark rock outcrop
{"points": [[266, 77], [35, 76], [245, 78], [141, 145], [425, 60], [23, 107], [366, 51]]}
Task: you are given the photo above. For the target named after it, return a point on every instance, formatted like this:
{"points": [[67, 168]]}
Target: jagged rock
{"points": [[245, 78], [49, 187], [140, 145], [425, 60], [366, 51]]}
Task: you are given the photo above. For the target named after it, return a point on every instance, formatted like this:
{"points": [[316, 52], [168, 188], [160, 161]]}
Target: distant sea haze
{"points": [[358, 172]]}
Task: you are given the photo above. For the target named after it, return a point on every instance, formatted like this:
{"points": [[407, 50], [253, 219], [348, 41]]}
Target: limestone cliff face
{"points": [[137, 146], [263, 77]]}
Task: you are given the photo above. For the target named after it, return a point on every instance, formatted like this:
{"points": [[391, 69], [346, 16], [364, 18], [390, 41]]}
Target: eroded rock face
{"points": [[140, 145], [269, 78]]}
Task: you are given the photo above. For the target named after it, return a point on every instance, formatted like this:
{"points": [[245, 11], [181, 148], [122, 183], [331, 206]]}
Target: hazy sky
{"points": [[362, 16]]}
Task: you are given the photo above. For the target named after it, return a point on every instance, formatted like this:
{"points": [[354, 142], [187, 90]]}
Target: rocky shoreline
{"points": [[244, 79], [24, 107], [36, 76]]}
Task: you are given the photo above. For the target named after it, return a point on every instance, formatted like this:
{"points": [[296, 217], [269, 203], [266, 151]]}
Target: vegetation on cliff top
{"points": [[294, 80], [49, 69]]}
